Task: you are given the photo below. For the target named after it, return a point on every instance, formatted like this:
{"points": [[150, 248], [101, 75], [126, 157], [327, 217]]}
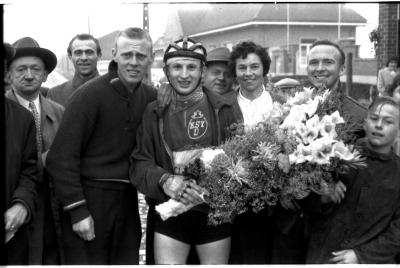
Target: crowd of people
{"points": [[76, 159]]}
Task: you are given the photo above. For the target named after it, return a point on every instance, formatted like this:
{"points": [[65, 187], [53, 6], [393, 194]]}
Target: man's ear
{"points": [[114, 53], [165, 69], [365, 123], [342, 70], [45, 75], [70, 57], [203, 72], [152, 57], [7, 77]]}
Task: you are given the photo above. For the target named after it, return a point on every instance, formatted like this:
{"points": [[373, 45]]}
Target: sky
{"points": [[53, 23]]}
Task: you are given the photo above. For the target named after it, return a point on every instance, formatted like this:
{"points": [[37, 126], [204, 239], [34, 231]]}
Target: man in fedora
{"points": [[20, 177], [27, 70]]}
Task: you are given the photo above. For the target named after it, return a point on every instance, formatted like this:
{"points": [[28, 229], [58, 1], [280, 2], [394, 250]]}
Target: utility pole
{"points": [[146, 27], [146, 17], [339, 21]]}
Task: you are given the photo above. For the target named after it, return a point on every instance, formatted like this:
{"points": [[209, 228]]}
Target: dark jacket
{"points": [[63, 92], [368, 218], [150, 159], [21, 157], [95, 138], [51, 114]]}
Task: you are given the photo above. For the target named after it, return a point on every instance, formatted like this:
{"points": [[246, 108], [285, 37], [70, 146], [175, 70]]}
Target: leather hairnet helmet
{"points": [[185, 47]]}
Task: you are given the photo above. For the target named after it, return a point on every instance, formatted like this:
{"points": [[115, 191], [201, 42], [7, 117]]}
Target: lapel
{"points": [[10, 95], [47, 111]]}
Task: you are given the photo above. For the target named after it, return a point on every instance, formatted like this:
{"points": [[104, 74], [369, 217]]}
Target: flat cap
{"points": [[218, 54]]}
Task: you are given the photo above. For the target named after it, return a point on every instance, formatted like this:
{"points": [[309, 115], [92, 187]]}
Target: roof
{"points": [[106, 44], [214, 17]]}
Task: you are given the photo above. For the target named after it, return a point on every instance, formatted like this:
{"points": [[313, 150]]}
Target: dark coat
{"points": [[21, 157], [21, 172], [51, 114], [368, 218], [63, 92]]}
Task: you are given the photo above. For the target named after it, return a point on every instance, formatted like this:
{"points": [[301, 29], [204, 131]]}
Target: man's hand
{"points": [[193, 194], [336, 195], [347, 256], [85, 229], [184, 191], [164, 96], [14, 217]]}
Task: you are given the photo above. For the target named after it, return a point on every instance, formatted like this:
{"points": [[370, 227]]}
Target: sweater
{"points": [[95, 138]]}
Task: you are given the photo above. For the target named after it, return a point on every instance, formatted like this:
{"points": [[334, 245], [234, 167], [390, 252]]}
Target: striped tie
{"points": [[39, 142]]}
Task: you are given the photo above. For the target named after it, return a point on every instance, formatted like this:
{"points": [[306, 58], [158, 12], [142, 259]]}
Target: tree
{"points": [[375, 37]]}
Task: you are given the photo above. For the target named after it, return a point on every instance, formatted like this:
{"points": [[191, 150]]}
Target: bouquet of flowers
{"points": [[294, 152], [243, 173], [316, 125]]}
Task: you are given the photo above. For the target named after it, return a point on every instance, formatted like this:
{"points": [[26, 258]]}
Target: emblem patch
{"points": [[197, 126]]}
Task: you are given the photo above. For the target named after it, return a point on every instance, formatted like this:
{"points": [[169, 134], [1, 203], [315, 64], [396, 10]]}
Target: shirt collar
{"points": [[25, 102], [244, 99]]}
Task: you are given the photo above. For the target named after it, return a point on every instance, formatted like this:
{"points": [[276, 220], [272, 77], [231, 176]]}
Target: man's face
{"points": [[26, 75], [324, 66], [84, 56], [184, 74], [218, 77], [381, 127], [249, 72], [133, 57], [392, 65]]}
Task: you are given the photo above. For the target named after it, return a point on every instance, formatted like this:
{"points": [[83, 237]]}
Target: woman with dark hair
{"points": [[250, 65], [251, 233], [387, 74]]}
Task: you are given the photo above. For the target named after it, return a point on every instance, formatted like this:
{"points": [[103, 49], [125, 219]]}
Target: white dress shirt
{"points": [[255, 111], [25, 103]]}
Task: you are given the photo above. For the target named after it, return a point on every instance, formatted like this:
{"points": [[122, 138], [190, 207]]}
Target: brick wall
{"points": [[388, 22]]}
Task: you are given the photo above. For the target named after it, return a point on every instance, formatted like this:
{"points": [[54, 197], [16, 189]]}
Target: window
{"points": [[305, 44]]}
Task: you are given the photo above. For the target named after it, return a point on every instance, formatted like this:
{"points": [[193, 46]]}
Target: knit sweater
{"points": [[96, 138]]}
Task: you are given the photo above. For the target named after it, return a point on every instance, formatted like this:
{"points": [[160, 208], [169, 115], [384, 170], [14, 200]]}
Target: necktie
{"points": [[39, 142]]}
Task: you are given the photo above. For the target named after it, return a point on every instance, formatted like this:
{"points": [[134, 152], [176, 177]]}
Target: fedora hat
{"points": [[27, 46], [9, 51], [218, 54]]}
